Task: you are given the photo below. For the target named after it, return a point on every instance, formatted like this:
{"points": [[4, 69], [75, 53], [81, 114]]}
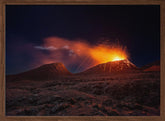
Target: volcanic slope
{"points": [[112, 67], [44, 72]]}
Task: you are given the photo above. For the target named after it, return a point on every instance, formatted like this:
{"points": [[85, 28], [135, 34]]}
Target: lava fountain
{"points": [[105, 53]]}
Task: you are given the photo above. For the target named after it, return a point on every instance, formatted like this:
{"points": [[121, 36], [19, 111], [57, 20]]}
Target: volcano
{"points": [[44, 72], [112, 66]]}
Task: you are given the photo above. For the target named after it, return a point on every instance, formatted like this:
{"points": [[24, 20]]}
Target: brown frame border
{"points": [[81, 2]]}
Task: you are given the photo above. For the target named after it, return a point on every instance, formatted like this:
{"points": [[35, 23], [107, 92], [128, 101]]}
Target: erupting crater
{"points": [[104, 54]]}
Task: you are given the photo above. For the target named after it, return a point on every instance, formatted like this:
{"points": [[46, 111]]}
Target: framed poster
{"points": [[82, 60]]}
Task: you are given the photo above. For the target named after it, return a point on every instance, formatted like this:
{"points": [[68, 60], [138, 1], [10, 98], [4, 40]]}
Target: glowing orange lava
{"points": [[103, 54]]}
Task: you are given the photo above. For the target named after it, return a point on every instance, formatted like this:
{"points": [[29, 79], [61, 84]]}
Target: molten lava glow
{"points": [[117, 58], [103, 54]]}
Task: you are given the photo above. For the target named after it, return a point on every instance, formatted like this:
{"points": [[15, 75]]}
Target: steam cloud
{"points": [[75, 54]]}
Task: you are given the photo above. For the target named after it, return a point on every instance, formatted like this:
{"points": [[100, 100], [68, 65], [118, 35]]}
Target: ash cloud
{"points": [[77, 55], [70, 52]]}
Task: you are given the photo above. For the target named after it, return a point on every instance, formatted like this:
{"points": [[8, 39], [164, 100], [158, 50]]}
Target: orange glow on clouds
{"points": [[77, 52], [103, 53]]}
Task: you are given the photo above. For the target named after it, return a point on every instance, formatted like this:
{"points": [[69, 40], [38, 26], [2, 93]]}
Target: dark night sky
{"points": [[137, 27]]}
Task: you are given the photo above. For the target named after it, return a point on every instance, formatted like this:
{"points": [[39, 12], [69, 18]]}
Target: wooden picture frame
{"points": [[81, 2]]}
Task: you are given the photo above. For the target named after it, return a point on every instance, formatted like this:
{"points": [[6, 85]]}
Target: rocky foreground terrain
{"points": [[119, 93]]}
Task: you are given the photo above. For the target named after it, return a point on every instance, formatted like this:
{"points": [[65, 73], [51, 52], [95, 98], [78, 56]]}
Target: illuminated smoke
{"points": [[78, 55]]}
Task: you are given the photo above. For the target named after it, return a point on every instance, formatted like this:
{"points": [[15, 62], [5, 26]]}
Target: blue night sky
{"points": [[29, 26]]}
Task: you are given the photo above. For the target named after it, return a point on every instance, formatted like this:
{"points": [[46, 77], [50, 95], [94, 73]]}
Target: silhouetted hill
{"points": [[154, 66], [44, 72]]}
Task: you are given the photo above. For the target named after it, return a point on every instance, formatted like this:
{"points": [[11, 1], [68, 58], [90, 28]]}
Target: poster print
{"points": [[82, 60]]}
